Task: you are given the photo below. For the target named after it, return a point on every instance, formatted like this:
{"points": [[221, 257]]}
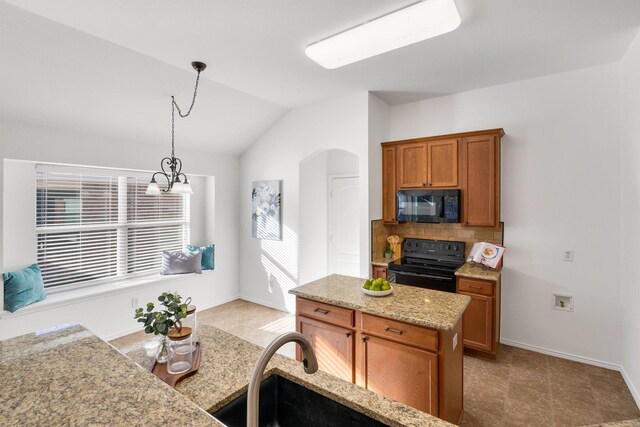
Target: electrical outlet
{"points": [[568, 255], [134, 302]]}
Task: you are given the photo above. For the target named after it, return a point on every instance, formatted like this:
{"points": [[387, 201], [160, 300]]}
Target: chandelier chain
{"points": [[175, 106]]}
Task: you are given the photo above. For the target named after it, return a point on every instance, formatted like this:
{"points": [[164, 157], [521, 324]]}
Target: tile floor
{"points": [[522, 388]]}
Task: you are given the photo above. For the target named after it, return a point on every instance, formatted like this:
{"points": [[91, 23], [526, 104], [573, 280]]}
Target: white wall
{"points": [[630, 188], [270, 268], [560, 190], [314, 208], [312, 250], [27, 142], [378, 132]]}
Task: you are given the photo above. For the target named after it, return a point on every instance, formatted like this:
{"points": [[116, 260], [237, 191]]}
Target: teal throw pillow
{"points": [[23, 287], [208, 253]]}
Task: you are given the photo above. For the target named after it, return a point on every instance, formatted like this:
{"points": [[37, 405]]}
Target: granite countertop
{"points": [[382, 262], [227, 363], [424, 307], [477, 272], [68, 376], [626, 423]]}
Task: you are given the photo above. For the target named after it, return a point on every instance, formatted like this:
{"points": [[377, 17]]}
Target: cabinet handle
{"points": [[364, 339], [429, 184], [393, 331], [466, 223], [348, 334], [424, 184], [321, 311], [475, 287]]}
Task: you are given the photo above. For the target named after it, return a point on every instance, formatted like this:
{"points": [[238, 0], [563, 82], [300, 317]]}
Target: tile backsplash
{"points": [[453, 232]]}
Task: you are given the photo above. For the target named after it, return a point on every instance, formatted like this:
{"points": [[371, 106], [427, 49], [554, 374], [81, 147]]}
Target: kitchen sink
{"points": [[284, 403]]}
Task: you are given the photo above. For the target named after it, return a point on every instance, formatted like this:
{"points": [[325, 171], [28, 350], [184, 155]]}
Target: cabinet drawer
{"points": [[326, 312], [400, 331], [480, 287]]}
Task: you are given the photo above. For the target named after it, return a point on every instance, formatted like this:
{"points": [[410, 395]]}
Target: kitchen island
{"points": [[68, 376], [406, 346]]}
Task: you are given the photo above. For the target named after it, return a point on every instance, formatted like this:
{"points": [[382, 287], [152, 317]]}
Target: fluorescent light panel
{"points": [[420, 21]]}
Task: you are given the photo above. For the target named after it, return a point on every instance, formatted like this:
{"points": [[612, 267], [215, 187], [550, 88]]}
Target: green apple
{"points": [[367, 284]]}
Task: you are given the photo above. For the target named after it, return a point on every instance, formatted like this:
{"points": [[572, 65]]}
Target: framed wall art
{"points": [[266, 217]]}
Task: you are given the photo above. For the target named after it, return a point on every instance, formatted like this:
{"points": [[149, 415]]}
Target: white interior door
{"points": [[344, 226]]}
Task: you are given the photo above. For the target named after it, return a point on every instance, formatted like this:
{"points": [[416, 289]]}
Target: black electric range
{"points": [[429, 264]]}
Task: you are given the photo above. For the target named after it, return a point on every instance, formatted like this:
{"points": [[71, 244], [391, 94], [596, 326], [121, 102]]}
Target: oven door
{"points": [[420, 206], [420, 280]]}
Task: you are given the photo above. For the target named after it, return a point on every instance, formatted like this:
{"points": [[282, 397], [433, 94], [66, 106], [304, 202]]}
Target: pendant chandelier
{"points": [[177, 181]]}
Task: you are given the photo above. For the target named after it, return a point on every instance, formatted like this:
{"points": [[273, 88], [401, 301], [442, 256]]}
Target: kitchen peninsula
{"points": [[68, 376], [406, 346]]}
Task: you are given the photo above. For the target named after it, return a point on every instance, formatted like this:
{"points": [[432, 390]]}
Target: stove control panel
{"points": [[432, 248]]}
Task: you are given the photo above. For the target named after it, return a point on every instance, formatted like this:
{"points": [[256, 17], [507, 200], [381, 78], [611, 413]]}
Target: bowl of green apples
{"points": [[377, 287]]}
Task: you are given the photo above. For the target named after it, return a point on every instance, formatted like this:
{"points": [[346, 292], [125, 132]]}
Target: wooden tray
{"points": [[160, 369]]}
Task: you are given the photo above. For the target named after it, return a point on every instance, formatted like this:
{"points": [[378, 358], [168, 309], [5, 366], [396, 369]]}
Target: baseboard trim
{"points": [[562, 355], [265, 303], [138, 329], [631, 386]]}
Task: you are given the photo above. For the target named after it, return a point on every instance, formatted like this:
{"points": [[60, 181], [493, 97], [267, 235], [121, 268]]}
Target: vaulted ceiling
{"points": [[111, 65]]}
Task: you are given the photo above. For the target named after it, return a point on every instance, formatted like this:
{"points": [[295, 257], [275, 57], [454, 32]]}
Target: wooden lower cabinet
{"points": [[400, 372], [379, 272], [333, 345], [415, 365], [481, 319], [478, 322]]}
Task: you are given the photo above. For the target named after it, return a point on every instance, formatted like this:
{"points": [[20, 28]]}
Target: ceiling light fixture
{"points": [[414, 23], [175, 184]]}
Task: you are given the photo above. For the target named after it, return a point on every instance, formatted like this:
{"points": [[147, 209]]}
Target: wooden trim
{"points": [[451, 374], [498, 131]]}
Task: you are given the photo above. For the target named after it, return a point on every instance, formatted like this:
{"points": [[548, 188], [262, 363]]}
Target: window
{"points": [[96, 227]]}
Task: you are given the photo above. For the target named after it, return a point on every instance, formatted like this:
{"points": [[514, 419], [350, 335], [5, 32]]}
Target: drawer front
{"points": [[326, 312], [481, 287], [400, 331]]}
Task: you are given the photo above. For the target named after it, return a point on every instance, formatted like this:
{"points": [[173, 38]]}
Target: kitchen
{"points": [[553, 162]]}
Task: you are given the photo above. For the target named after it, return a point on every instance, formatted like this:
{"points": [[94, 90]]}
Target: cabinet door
{"points": [[412, 165], [401, 373], [442, 163], [480, 193], [477, 322], [389, 184], [333, 346], [379, 272]]}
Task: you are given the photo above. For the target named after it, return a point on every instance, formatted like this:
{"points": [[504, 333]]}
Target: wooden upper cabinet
{"points": [[389, 184], [431, 164], [469, 161], [442, 163], [412, 165], [481, 194]]}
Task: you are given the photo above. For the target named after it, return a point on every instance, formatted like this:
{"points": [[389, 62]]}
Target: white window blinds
{"points": [[96, 227]]}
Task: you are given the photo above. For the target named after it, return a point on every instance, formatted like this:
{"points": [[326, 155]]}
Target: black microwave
{"points": [[428, 205]]}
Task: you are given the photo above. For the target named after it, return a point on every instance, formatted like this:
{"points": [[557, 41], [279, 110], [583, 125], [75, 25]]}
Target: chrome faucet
{"points": [[253, 395]]}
